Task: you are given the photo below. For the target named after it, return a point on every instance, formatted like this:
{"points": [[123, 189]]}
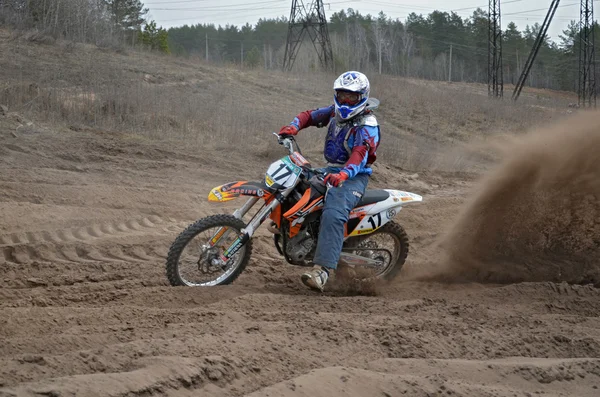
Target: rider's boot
{"points": [[316, 278]]}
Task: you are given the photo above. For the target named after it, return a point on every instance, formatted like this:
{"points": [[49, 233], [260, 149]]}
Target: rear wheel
{"points": [[193, 262], [388, 245]]}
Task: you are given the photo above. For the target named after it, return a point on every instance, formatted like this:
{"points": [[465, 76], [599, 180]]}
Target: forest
{"points": [[437, 46], [418, 47], [106, 23]]}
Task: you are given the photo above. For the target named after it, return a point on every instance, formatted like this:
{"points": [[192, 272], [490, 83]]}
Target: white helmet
{"points": [[351, 94]]}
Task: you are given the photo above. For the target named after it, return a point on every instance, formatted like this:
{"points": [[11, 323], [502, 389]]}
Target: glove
{"points": [[336, 179], [288, 130]]}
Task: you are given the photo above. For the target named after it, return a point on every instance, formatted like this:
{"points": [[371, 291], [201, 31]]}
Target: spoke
{"points": [[377, 243], [196, 265]]}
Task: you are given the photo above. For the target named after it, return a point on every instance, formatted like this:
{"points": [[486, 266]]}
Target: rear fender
{"points": [[232, 190], [402, 198], [368, 219]]}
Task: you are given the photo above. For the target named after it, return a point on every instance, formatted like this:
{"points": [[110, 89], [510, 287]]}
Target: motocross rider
{"points": [[350, 150]]}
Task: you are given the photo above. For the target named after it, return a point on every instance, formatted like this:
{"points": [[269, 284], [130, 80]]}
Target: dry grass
{"points": [[425, 125], [434, 125]]}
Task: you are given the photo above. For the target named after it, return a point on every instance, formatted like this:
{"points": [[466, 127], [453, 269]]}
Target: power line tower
{"points": [[308, 20], [539, 40], [587, 63], [495, 76]]}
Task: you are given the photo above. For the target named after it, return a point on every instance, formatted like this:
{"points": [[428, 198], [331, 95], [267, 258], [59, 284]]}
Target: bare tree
{"points": [[77, 20], [379, 39], [407, 48], [360, 47], [391, 49]]}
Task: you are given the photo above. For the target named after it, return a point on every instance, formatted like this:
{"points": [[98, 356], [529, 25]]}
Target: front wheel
{"points": [[388, 245], [193, 262]]}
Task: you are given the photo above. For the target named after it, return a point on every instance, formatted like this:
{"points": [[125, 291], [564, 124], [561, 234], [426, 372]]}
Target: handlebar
{"points": [[288, 142]]}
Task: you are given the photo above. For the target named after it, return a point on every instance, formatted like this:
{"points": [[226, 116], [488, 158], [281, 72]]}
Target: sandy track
{"points": [[85, 309], [417, 377]]}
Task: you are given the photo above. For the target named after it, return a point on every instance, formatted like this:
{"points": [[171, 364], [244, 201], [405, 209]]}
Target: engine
{"points": [[300, 246]]}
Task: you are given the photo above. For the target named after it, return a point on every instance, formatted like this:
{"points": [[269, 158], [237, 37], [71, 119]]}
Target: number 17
{"points": [[375, 225]]}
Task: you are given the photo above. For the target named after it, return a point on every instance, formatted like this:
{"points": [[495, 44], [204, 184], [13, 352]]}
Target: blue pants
{"points": [[338, 204]]}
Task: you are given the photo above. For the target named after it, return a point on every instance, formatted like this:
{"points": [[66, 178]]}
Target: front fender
{"points": [[229, 191]]}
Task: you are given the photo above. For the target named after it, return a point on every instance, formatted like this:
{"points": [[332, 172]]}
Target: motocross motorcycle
{"points": [[216, 249]]}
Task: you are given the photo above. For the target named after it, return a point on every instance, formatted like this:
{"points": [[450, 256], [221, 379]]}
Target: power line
{"points": [[238, 13], [378, 2], [259, 14], [382, 3], [175, 2], [539, 9], [516, 14], [224, 7], [229, 7], [227, 10], [485, 5]]}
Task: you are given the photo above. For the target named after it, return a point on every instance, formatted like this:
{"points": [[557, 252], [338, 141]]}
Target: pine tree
{"points": [[154, 38], [127, 15], [253, 58]]}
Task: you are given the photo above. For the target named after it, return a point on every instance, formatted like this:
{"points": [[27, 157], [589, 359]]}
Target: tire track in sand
{"points": [[106, 242]]}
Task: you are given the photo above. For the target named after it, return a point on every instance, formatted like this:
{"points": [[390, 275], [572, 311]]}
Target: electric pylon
{"points": [[309, 20], [495, 76], [587, 65]]}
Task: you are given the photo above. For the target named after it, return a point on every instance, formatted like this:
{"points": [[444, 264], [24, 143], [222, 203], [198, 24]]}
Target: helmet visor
{"points": [[347, 98]]}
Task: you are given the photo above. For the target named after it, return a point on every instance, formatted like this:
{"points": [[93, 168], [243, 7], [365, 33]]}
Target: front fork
{"points": [[251, 227], [239, 213]]}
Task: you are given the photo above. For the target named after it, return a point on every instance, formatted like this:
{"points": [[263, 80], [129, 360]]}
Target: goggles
{"points": [[347, 97]]}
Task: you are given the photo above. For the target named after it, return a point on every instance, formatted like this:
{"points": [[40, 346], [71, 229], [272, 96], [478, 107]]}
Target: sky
{"points": [[239, 12]]}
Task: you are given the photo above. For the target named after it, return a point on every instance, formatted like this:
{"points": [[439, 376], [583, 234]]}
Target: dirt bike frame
{"points": [[281, 180], [273, 200]]}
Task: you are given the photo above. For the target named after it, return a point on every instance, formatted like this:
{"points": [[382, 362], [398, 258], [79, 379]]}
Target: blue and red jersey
{"points": [[351, 147]]}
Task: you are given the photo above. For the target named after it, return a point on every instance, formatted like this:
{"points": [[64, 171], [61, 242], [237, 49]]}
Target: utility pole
{"points": [[587, 64], [309, 20], [450, 66], [242, 55], [206, 40], [495, 77], [380, 57]]}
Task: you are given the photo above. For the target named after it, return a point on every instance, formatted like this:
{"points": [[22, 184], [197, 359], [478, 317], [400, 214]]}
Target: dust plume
{"points": [[354, 282], [537, 216]]}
